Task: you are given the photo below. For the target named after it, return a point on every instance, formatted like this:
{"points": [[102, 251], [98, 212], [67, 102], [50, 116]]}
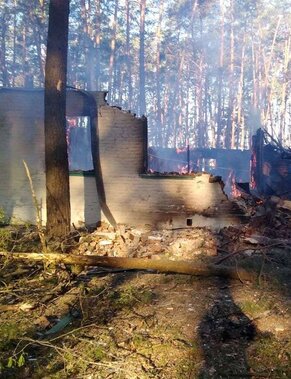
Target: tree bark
{"points": [[231, 125], [161, 265], [112, 59], [128, 57], [88, 46], [201, 126], [284, 93], [4, 71], [142, 101], [98, 43], [220, 80], [14, 46], [158, 78], [56, 157], [240, 114], [37, 23]]}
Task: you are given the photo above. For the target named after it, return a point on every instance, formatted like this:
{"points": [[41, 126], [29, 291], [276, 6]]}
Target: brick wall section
{"points": [[22, 138], [121, 144], [131, 198], [136, 200]]}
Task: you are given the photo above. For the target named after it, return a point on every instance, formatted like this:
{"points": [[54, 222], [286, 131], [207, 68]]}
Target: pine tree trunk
{"points": [[98, 43], [142, 101], [56, 157], [14, 47], [220, 80], [111, 84], [284, 94], [240, 116], [88, 48], [230, 132], [158, 79], [200, 109], [254, 77], [37, 23], [5, 79], [128, 59]]}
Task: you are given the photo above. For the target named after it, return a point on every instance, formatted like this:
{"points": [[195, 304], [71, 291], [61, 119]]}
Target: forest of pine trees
{"points": [[206, 73]]}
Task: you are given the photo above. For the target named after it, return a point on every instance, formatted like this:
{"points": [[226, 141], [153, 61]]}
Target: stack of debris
{"points": [[270, 167], [194, 251], [181, 244], [269, 226]]}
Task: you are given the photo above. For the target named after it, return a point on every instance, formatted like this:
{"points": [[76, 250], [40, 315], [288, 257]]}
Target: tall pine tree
{"points": [[56, 157]]}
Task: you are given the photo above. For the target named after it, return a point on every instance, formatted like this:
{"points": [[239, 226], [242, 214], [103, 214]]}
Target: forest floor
{"points": [[71, 322]]}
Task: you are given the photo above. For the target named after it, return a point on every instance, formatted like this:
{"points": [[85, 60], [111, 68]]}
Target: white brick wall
{"points": [[130, 198]]}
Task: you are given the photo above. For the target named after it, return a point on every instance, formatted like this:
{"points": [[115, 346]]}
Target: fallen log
{"points": [[161, 265]]}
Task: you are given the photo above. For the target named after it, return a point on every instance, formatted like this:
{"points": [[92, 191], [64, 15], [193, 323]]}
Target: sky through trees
{"points": [[205, 73]]}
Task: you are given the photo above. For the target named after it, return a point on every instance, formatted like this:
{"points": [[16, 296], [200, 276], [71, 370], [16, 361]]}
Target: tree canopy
{"points": [[205, 72]]}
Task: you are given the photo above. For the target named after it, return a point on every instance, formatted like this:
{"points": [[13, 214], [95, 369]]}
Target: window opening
{"points": [[189, 221], [79, 144]]}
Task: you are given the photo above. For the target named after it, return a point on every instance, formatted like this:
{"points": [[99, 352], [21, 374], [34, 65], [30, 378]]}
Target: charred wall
{"points": [[132, 197], [22, 138], [135, 197]]}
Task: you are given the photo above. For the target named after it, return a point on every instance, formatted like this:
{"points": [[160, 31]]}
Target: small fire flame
{"points": [[253, 166], [183, 169], [181, 149], [230, 183]]}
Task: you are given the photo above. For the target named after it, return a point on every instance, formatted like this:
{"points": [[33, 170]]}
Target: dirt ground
{"points": [[73, 322]]}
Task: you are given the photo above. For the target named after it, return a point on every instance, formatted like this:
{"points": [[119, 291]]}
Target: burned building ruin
{"points": [[133, 194], [270, 167]]}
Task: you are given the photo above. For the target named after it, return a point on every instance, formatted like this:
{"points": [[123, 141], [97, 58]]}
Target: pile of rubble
{"points": [[181, 244], [269, 225]]}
